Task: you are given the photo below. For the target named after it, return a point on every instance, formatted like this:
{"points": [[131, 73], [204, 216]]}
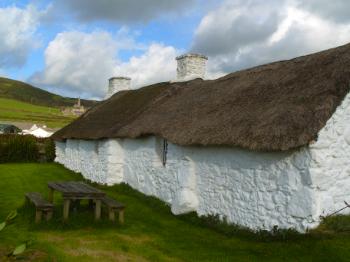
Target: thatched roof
{"points": [[278, 106]]}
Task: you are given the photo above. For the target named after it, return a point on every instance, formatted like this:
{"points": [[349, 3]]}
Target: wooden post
{"points": [[48, 215], [26, 202], [66, 209], [38, 214], [51, 191], [97, 209], [121, 216], [76, 204], [111, 213]]}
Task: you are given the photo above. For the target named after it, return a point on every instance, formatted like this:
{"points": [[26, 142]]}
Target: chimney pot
{"points": [[191, 66], [117, 84]]}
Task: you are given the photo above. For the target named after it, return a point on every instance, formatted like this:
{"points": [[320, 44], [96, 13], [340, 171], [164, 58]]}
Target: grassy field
{"points": [[13, 110], [150, 233]]}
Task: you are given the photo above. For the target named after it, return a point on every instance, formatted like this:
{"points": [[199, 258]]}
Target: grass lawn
{"points": [[13, 110], [150, 233]]}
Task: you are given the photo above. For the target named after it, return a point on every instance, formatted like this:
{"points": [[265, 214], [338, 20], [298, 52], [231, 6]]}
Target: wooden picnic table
{"points": [[72, 191]]}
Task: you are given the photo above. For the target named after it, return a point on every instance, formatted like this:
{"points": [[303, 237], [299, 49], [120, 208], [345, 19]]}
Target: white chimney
{"points": [[191, 66], [117, 84]]}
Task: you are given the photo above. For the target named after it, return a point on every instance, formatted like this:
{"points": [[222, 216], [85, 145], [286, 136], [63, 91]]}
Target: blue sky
{"points": [[73, 47]]}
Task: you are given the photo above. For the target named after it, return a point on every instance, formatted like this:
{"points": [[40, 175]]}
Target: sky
{"points": [[72, 47]]}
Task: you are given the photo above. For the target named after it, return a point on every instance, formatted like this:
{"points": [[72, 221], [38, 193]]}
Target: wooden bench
{"points": [[114, 206], [41, 206]]}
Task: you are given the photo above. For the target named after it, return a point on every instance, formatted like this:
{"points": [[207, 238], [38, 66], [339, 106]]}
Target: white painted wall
{"points": [[251, 189], [330, 166], [256, 190]]}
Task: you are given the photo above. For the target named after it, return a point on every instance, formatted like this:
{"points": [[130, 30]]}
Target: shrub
{"points": [[337, 224], [19, 148], [50, 150]]}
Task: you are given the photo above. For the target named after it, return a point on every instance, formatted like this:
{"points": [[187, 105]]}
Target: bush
{"points": [[19, 148], [50, 150], [336, 224]]}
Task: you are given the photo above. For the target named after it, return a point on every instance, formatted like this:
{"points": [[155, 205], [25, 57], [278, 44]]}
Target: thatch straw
{"points": [[278, 106]]}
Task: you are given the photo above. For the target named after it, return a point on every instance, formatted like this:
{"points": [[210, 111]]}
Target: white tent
{"points": [[34, 127], [37, 132]]}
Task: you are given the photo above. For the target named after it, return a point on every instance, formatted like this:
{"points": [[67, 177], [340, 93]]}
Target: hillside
{"points": [[16, 111], [16, 90]]}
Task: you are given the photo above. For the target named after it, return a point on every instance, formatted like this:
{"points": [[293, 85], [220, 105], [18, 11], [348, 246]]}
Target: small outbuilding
{"points": [[9, 129], [37, 132], [264, 147]]}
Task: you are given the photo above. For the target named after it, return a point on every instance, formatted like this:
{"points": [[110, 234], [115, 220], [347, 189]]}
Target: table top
{"points": [[76, 189]]}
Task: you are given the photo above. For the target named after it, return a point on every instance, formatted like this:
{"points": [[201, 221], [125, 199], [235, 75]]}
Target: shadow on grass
{"points": [[79, 218]]}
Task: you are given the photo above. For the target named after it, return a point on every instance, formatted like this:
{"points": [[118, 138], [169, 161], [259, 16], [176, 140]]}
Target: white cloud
{"points": [[236, 34], [336, 10], [18, 34], [157, 64], [123, 10], [80, 64], [241, 34], [235, 24]]}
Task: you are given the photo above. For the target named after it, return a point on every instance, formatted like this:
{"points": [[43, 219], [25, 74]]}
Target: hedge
{"points": [[26, 148]]}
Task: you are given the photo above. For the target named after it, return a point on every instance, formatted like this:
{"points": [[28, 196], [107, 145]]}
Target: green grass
{"points": [[150, 233], [13, 110], [24, 92]]}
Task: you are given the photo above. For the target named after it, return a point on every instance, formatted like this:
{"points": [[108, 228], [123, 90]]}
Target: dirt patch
{"points": [[30, 255], [139, 239], [104, 255], [52, 238]]}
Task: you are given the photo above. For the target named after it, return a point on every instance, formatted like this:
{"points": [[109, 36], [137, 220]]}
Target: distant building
{"points": [[9, 129], [78, 109]]}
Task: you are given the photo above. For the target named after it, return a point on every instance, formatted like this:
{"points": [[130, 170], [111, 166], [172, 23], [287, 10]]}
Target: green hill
{"points": [[16, 90], [21, 102], [15, 111]]}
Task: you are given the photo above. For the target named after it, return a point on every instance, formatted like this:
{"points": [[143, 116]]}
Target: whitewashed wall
{"points": [[330, 166], [256, 190], [251, 189]]}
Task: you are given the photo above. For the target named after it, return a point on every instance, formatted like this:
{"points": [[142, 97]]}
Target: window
{"points": [[162, 150], [165, 151]]}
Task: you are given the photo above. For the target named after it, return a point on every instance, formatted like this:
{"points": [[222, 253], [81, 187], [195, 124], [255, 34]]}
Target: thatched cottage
{"points": [[263, 147]]}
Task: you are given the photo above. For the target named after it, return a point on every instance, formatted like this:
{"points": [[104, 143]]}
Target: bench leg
{"points": [[98, 209], [76, 204], [51, 195], [121, 216], [48, 215], [27, 201], [38, 214], [66, 209], [111, 214]]}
